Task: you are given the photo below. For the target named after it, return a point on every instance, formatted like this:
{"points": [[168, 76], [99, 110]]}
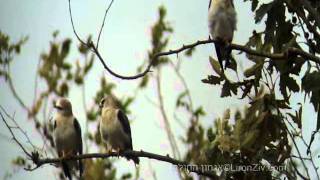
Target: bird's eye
{"points": [[58, 107], [101, 103]]}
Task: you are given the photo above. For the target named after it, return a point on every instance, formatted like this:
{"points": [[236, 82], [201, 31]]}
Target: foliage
{"points": [[261, 136], [59, 76]]}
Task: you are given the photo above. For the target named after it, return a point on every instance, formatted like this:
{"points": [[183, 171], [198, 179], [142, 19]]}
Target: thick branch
{"points": [[141, 153]]}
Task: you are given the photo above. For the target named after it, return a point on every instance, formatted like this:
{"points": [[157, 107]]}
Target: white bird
{"points": [[67, 136], [222, 21], [114, 127]]}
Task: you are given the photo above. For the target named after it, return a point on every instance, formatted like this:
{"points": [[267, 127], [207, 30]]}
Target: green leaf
{"points": [[212, 80], [199, 112], [180, 97], [310, 82], [250, 138], [190, 51], [211, 136], [144, 82], [19, 161], [215, 65], [64, 89], [55, 33], [226, 89], [253, 70], [292, 84], [89, 65], [262, 11], [254, 5], [65, 48], [246, 90]]}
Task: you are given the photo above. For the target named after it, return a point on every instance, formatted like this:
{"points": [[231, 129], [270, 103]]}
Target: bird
{"points": [[222, 22], [114, 127], [67, 136]]}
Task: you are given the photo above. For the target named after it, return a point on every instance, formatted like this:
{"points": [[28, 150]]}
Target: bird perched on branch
{"points": [[114, 127], [67, 136], [222, 20]]}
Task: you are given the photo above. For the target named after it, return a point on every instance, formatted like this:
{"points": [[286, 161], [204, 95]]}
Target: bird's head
{"points": [[109, 101], [225, 4], [63, 106]]}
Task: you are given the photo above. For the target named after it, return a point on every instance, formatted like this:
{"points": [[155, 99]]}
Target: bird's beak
{"points": [[57, 107]]}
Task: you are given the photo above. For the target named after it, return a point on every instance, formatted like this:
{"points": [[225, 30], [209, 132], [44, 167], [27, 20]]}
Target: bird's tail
{"points": [[66, 170], [223, 54], [80, 167], [135, 159]]}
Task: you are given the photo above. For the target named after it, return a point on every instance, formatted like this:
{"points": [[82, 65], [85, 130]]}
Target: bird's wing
{"points": [[55, 124], [232, 4], [125, 126], [79, 142]]}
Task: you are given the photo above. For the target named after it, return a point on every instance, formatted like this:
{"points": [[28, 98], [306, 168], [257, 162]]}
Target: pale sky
{"points": [[124, 43]]}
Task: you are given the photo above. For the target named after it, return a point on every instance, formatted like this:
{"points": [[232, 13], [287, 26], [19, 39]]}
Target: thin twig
{"points": [[298, 151], [296, 170], [171, 138], [104, 19], [310, 154], [74, 29], [18, 127], [14, 137]]}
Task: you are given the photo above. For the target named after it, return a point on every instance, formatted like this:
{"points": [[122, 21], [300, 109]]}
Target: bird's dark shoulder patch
{"points": [[77, 126], [54, 124], [124, 122]]}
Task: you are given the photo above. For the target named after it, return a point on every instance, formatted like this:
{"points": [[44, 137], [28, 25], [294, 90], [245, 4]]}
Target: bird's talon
{"points": [[118, 152]]}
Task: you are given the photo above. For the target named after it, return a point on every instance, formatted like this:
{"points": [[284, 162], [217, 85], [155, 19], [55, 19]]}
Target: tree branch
{"points": [[276, 56], [14, 137], [104, 20], [301, 14], [171, 138], [35, 156], [73, 28], [312, 11], [141, 153]]}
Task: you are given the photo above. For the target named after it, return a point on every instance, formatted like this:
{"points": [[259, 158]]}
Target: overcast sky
{"points": [[124, 43]]}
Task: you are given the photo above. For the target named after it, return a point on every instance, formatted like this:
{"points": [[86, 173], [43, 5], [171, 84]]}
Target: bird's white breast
{"points": [[65, 135], [111, 130], [222, 22]]}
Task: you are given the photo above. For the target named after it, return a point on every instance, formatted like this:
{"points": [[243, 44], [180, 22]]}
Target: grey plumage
{"points": [[222, 24], [67, 136], [114, 127]]}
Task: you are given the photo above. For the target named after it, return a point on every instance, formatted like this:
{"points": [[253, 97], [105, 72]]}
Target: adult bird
{"points": [[67, 136], [222, 21], [114, 127]]}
